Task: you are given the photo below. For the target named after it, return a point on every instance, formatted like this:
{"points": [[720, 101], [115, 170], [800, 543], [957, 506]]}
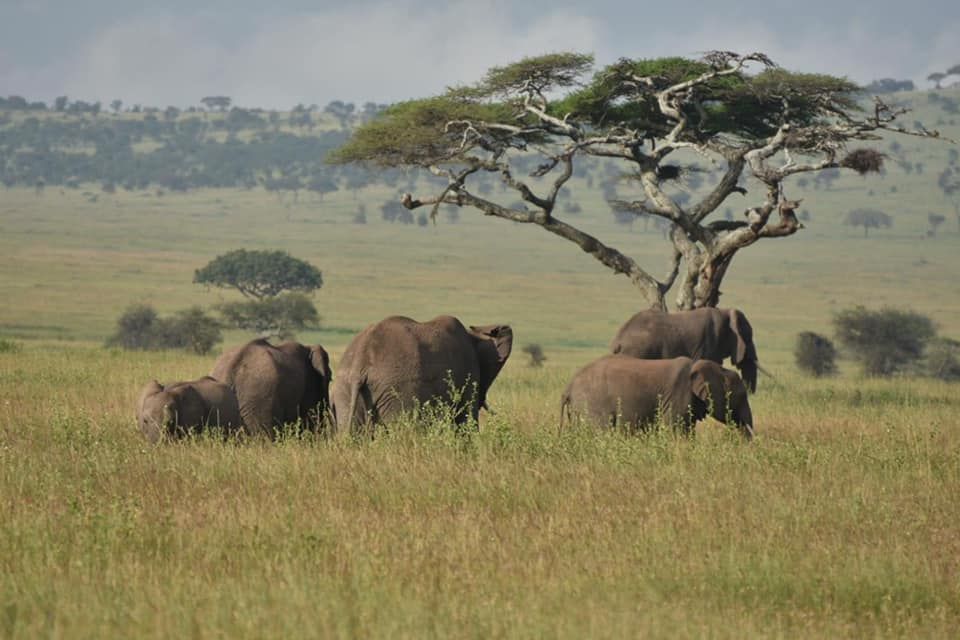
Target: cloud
{"points": [[382, 53]]}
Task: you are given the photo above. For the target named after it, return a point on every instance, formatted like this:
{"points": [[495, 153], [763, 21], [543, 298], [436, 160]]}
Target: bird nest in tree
{"points": [[863, 161]]}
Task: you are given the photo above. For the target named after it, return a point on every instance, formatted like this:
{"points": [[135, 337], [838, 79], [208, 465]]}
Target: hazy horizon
{"points": [[293, 51]]}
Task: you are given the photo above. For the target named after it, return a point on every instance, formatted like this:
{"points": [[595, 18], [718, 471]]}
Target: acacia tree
{"points": [[770, 126], [263, 277]]}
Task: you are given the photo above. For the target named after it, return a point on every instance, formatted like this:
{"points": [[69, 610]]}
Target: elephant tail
{"points": [[356, 387], [748, 371], [564, 410]]}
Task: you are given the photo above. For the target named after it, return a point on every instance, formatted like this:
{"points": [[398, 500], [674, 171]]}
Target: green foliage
{"points": [[9, 346], [419, 132], [139, 328], [279, 316], [815, 354], [885, 341], [416, 132], [751, 106], [543, 73], [260, 274]]}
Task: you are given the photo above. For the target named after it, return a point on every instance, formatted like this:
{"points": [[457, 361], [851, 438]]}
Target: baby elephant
{"points": [[623, 390], [183, 407]]}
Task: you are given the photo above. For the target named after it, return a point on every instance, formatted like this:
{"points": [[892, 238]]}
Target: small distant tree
{"points": [[260, 274], [884, 341], [935, 220], [60, 103], [116, 105], [535, 351], [868, 219], [281, 316], [815, 354], [220, 103], [949, 183], [360, 217], [936, 77]]}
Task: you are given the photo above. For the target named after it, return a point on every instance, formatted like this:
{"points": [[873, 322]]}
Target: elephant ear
{"points": [[707, 386], [500, 334], [152, 388], [320, 361], [745, 357]]}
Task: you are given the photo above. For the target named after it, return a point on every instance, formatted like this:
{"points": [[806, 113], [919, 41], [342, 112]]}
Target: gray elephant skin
{"points": [[707, 333], [179, 408], [620, 390], [277, 384], [399, 363]]}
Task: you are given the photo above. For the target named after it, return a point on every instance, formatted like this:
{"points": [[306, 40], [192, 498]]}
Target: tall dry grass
{"points": [[840, 519]]}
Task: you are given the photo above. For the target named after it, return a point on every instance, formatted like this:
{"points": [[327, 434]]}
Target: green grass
{"points": [[839, 520]]}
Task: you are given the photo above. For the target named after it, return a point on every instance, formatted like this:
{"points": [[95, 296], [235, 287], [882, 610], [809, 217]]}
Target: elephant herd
{"points": [[660, 366]]}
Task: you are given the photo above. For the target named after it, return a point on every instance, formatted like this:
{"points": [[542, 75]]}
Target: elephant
{"points": [[399, 363], [620, 390], [175, 409], [277, 385], [707, 333]]}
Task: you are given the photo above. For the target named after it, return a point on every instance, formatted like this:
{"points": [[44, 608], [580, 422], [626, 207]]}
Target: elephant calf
{"points": [[183, 407], [623, 390], [397, 363]]}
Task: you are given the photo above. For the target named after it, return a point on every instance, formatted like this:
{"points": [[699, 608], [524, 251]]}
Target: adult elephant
{"points": [[179, 408], [399, 363], [277, 385], [620, 390], [707, 333]]}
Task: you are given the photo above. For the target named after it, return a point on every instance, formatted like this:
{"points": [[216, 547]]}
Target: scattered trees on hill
{"points": [[889, 85], [868, 219], [643, 114]]}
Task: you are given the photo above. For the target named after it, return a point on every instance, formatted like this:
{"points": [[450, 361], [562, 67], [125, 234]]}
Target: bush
{"points": [[815, 354], [141, 329], [8, 346], [885, 341], [535, 351], [943, 359], [280, 316]]}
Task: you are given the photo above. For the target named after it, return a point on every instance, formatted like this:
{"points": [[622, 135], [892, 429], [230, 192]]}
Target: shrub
{"points": [[9, 346], [815, 354], [280, 316], [943, 359], [535, 351], [140, 328], [885, 341]]}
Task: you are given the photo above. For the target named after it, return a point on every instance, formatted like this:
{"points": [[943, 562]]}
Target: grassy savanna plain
{"points": [[840, 519]]}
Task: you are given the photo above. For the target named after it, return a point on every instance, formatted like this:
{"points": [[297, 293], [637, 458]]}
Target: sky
{"points": [[278, 53]]}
